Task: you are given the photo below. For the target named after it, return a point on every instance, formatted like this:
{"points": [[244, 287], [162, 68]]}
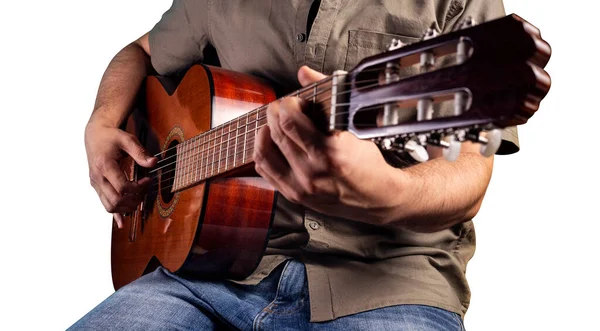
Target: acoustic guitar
{"points": [[209, 214]]}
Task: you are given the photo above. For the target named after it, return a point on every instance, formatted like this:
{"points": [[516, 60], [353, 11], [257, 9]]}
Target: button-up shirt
{"points": [[351, 266]]}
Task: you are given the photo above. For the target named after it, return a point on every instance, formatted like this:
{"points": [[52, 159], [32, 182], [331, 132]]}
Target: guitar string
{"points": [[190, 175], [206, 146], [228, 124], [311, 87], [226, 138], [191, 169], [223, 140], [296, 93]]}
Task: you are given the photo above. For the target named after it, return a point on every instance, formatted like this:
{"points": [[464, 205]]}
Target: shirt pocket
{"points": [[362, 44]]}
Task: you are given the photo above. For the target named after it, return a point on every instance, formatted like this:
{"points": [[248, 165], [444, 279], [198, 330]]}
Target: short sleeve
{"points": [[483, 11], [178, 40]]}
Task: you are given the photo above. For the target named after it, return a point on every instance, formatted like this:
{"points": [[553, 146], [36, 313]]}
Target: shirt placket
{"points": [[300, 33], [316, 45]]}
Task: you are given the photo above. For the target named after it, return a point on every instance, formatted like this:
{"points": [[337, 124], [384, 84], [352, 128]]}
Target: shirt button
{"points": [[313, 225], [301, 37]]}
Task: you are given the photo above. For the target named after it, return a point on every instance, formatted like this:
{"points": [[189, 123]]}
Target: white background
{"points": [[536, 233]]}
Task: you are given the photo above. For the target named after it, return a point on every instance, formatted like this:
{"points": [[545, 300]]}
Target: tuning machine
{"points": [[489, 140], [490, 143], [466, 23], [431, 33], [416, 145], [396, 44]]}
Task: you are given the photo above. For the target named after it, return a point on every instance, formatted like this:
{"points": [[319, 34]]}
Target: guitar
{"points": [[208, 213]]}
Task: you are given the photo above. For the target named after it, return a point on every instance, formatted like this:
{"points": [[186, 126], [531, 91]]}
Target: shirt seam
{"points": [[329, 30], [189, 26], [209, 21]]}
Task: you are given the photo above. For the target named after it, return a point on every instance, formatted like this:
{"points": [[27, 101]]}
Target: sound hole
{"points": [[168, 173]]}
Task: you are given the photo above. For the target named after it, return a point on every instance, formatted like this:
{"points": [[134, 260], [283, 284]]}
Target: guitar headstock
{"points": [[480, 78]]}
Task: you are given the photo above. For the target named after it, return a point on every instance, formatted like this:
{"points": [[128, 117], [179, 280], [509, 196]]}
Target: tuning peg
{"points": [[396, 44], [430, 33], [451, 148], [416, 151], [466, 23], [490, 143]]}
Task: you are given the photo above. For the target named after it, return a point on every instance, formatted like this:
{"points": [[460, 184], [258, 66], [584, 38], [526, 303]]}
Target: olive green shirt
{"points": [[351, 266]]}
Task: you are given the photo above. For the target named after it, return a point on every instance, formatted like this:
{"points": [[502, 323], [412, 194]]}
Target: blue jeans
{"points": [[164, 301]]}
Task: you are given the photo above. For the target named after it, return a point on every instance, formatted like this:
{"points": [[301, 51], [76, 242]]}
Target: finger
{"points": [[124, 204], [270, 163], [132, 146], [113, 173], [293, 154], [129, 204], [308, 76], [144, 185], [298, 127], [108, 195], [118, 218]]}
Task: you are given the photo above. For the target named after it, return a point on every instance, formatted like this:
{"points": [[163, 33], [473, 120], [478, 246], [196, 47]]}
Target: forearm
{"points": [[438, 194], [121, 82]]}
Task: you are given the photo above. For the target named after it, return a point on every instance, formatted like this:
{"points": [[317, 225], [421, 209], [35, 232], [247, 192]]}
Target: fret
{"points": [[207, 155], [216, 143], [190, 162], [232, 163], [227, 149], [186, 164], [214, 151], [220, 151], [242, 134], [200, 157], [255, 128], [210, 153], [237, 124], [204, 156], [245, 138], [214, 155], [177, 168], [183, 164], [195, 174]]}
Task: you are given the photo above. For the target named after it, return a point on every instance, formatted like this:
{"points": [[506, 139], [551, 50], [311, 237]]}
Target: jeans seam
{"points": [[265, 311], [460, 322]]}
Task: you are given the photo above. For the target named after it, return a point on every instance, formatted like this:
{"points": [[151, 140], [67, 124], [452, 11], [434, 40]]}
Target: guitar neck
{"points": [[230, 145]]}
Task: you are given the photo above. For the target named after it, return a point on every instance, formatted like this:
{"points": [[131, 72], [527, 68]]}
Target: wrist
{"points": [[100, 117]]}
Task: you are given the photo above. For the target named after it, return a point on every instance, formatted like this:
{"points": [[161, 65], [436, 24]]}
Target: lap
{"points": [[163, 301], [156, 301]]}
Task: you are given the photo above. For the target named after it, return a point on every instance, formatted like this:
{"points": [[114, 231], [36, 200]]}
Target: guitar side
{"points": [[211, 229]]}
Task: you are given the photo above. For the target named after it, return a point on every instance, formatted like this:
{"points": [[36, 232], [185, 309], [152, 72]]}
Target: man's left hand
{"points": [[338, 174]]}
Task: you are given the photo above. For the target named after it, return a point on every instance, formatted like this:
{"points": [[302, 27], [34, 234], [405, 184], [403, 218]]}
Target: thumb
{"points": [[132, 146], [308, 76]]}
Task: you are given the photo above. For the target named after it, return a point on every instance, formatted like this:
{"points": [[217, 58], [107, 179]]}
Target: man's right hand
{"points": [[105, 147]]}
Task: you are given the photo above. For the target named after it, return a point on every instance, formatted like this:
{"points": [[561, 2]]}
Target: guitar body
{"points": [[216, 228]]}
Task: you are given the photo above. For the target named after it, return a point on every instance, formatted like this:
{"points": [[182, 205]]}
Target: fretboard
{"points": [[231, 145]]}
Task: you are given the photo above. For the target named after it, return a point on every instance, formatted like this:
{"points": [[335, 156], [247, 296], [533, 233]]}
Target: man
{"points": [[357, 243]]}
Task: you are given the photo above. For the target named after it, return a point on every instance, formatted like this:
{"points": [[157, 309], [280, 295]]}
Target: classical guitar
{"points": [[209, 214]]}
